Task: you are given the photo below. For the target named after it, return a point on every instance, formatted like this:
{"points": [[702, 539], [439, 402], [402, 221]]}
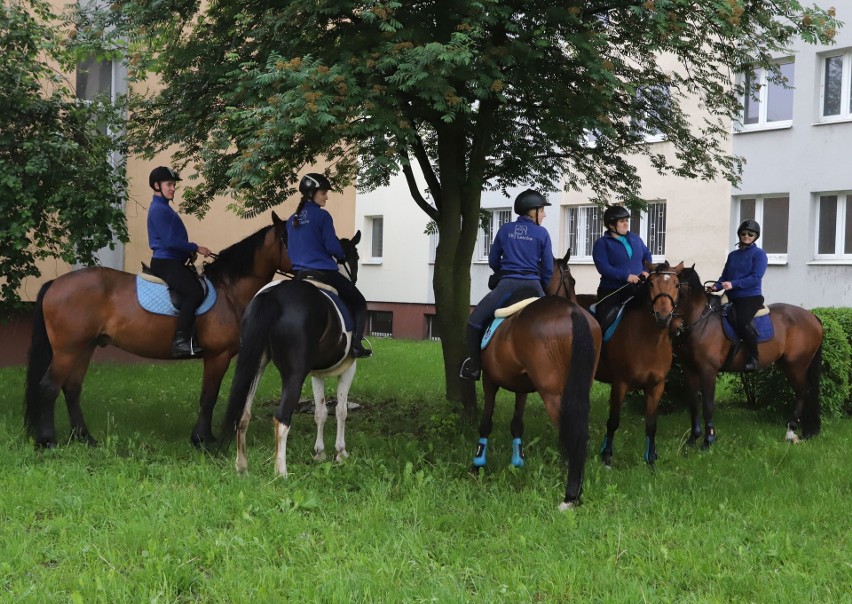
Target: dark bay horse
{"points": [[550, 347], [703, 349], [639, 354], [98, 306], [298, 328]]}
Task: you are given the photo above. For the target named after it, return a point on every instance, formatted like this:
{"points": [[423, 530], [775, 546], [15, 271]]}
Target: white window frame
{"points": [[656, 137], [845, 87], [371, 224], [763, 100], [774, 258], [580, 255], [844, 201], [644, 225], [499, 217]]}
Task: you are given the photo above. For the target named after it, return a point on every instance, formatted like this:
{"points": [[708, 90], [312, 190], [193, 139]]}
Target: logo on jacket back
{"points": [[303, 217], [520, 232]]}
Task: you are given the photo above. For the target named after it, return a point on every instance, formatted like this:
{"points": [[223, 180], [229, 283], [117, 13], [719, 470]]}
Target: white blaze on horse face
{"points": [[281, 432]]}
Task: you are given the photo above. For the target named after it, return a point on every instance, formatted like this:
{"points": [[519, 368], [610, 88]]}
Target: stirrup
{"points": [[468, 373]]}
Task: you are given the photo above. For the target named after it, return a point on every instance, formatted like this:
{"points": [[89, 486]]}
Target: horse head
{"points": [[664, 289], [350, 251], [279, 232], [562, 282]]}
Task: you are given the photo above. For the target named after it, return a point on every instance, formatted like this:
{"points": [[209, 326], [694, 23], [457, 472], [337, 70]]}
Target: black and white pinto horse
{"points": [[297, 327]]}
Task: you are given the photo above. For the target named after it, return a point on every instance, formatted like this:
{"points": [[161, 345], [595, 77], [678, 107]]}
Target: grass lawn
{"points": [[145, 518]]}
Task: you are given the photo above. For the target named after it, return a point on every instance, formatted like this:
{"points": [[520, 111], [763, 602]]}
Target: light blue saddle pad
{"points": [[489, 333], [154, 298]]}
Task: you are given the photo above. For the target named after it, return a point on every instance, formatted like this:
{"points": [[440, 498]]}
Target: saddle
{"points": [[762, 322], [315, 278], [500, 315], [613, 317], [156, 296]]}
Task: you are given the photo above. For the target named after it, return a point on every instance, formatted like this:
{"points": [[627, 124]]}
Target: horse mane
{"points": [[236, 261], [693, 281]]}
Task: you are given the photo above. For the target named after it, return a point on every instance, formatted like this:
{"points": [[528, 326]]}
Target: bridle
{"points": [[684, 327], [665, 294], [563, 271]]}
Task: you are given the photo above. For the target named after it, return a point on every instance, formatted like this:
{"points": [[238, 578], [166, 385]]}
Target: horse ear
{"points": [[567, 256], [679, 268], [357, 238], [275, 220]]}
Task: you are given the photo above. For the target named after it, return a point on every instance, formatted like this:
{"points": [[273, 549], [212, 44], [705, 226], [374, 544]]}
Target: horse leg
{"points": [[242, 461], [797, 377], [617, 392], [53, 381], [489, 389], [344, 382], [214, 370], [72, 389], [291, 388], [652, 405], [693, 390], [517, 428], [708, 399], [320, 415]]}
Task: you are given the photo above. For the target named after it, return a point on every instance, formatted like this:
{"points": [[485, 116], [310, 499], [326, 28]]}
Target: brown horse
{"points": [[703, 349], [639, 354], [550, 347], [98, 306]]}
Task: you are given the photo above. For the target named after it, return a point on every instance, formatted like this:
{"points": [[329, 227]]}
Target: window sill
{"points": [[777, 261], [764, 128], [833, 120], [831, 262], [480, 261], [371, 261], [581, 260]]}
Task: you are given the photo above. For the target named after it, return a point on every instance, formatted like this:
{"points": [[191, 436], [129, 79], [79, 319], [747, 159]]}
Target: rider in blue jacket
{"points": [[741, 279], [522, 256], [168, 239], [620, 257], [313, 245]]}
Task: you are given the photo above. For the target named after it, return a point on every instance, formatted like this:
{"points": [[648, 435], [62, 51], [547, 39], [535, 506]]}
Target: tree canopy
{"points": [[476, 93], [60, 193]]}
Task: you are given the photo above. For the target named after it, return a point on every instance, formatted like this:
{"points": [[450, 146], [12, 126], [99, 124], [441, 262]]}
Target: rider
{"points": [[620, 257], [741, 279], [522, 256], [168, 239], [313, 245]]}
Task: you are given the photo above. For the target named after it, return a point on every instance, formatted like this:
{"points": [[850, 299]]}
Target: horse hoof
{"points": [[320, 456], [791, 437], [474, 469], [606, 460], [341, 456], [46, 444], [568, 505]]}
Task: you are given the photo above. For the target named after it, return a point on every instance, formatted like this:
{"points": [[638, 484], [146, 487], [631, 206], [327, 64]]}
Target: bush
{"points": [[769, 388]]}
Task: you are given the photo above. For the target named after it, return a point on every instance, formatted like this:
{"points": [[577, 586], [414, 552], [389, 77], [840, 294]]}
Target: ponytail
{"points": [[299, 208]]}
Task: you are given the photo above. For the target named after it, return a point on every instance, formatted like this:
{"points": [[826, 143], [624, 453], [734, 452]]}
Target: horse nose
{"points": [[663, 320]]}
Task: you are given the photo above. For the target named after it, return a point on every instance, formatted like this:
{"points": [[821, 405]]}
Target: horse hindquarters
{"points": [[41, 392]]}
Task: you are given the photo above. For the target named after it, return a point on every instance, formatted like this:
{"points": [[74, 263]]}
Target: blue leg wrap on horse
{"points": [[604, 444], [479, 458], [647, 450], [517, 453]]}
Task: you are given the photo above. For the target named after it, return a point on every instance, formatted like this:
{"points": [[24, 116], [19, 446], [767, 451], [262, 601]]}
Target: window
{"points": [[772, 213], [835, 97], [498, 218], [584, 226], [650, 225], [377, 228], [433, 245], [769, 104], [94, 79], [834, 227], [380, 323], [654, 103], [432, 332]]}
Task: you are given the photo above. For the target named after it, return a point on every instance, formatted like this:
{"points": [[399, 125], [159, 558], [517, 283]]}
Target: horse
{"points": [[639, 353], [298, 327], [704, 350], [551, 347], [97, 306]]}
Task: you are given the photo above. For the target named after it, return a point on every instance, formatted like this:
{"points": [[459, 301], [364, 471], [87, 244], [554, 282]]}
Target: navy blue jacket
{"points": [[744, 268], [313, 245], [167, 235], [614, 264], [522, 250]]}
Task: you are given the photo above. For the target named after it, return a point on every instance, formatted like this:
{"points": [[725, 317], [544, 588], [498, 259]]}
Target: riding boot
{"points": [[749, 337], [471, 368], [183, 346], [357, 351]]}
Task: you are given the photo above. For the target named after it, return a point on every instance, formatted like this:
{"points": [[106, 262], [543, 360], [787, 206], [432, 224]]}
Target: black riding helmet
{"points": [[161, 173], [529, 200], [615, 213], [749, 224], [313, 182]]}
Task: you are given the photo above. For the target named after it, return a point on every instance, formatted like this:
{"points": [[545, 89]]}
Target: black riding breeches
{"points": [[353, 298], [744, 311], [184, 281]]}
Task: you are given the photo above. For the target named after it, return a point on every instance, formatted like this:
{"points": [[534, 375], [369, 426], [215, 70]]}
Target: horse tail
{"points": [[258, 322], [574, 412], [38, 362], [810, 414]]}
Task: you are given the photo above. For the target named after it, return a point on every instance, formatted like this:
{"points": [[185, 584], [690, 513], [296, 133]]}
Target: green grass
{"points": [[145, 518]]}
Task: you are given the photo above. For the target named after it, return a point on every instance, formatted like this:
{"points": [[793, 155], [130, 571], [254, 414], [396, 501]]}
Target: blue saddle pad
{"points": [[613, 326], [154, 297], [348, 322], [489, 333], [763, 325]]}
